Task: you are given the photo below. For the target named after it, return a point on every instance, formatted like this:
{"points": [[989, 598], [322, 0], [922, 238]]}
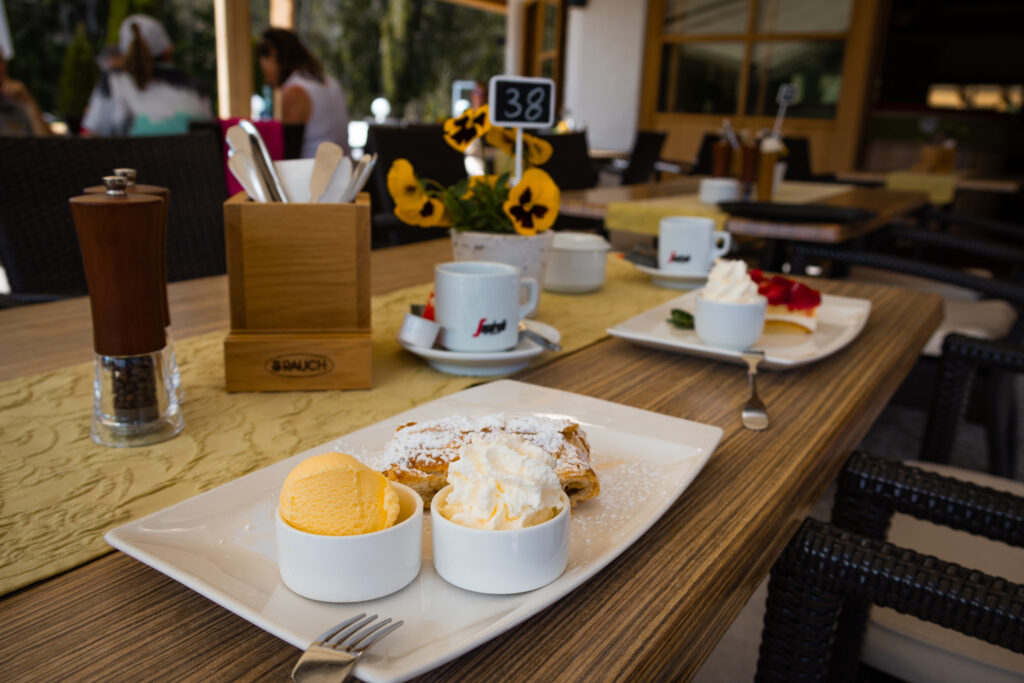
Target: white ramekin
{"points": [[499, 561], [729, 325], [353, 568], [419, 331], [576, 264]]}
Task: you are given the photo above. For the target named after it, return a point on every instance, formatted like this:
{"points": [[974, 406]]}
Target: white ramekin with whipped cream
{"points": [[730, 313], [502, 524]]}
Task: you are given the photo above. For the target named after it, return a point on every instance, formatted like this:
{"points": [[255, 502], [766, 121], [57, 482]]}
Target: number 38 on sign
{"points": [[522, 102]]}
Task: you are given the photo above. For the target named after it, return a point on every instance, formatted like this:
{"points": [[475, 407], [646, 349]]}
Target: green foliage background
{"points": [[408, 51]]}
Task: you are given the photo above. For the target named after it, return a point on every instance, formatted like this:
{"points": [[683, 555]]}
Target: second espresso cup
{"points": [[477, 305], [689, 245]]}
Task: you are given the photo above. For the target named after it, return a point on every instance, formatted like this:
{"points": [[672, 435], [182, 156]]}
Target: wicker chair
{"points": [[642, 159], [38, 247], [570, 165], [824, 583], [994, 402]]}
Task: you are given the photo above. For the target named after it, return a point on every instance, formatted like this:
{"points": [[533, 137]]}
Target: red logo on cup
{"points": [[484, 327], [682, 258]]}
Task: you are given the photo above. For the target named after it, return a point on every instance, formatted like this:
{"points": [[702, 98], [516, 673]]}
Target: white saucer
{"points": [[486, 364], [669, 280]]}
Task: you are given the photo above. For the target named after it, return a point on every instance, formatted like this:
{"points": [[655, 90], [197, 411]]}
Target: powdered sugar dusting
{"points": [[628, 490], [452, 432]]}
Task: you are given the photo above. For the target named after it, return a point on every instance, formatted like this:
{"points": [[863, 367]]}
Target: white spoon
{"points": [[339, 183], [245, 173], [328, 156], [359, 177], [238, 141]]}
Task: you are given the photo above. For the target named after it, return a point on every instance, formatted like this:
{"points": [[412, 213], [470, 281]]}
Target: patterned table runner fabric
{"points": [[642, 216], [60, 492]]}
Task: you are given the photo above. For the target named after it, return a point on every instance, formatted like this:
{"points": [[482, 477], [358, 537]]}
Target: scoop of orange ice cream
{"points": [[333, 494]]}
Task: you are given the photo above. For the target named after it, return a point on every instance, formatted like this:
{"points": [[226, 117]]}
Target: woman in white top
{"points": [[308, 96], [147, 96]]}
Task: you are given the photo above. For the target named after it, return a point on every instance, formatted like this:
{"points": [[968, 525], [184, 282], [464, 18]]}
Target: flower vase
{"points": [[529, 253]]}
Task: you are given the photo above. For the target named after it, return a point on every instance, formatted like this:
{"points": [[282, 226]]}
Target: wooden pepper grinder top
{"points": [[122, 251], [130, 174]]}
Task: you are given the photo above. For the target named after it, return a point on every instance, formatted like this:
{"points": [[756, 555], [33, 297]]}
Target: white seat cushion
{"points": [[965, 312], [989, 319], [914, 650]]}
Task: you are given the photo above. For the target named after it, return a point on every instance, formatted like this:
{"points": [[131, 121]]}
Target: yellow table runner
{"points": [[642, 216], [60, 492]]}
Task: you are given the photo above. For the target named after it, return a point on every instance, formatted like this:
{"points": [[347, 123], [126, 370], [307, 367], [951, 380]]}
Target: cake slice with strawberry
{"points": [[792, 305]]}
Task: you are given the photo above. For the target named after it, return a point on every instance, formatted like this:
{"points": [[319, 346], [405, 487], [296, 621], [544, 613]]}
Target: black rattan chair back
{"points": [[431, 157], [570, 165], [425, 148], [38, 246], [824, 582], [645, 154]]}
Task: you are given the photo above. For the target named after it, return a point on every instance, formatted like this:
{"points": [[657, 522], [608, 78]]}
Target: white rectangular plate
{"points": [[840, 320], [221, 543]]}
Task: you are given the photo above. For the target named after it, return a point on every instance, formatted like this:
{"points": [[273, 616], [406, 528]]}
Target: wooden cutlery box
{"points": [[299, 283]]}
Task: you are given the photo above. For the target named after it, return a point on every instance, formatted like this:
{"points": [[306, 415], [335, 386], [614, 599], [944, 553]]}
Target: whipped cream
{"points": [[729, 282], [502, 483]]}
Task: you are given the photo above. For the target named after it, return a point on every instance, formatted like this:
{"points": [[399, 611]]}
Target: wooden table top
{"points": [[964, 181], [593, 203], [887, 204], [654, 613]]}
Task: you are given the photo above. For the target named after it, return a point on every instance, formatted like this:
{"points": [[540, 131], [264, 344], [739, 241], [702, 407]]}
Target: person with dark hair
{"points": [[146, 95], [20, 114], [308, 95]]}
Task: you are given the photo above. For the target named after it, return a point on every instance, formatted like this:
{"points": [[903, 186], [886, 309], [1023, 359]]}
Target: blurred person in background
{"points": [[146, 95], [20, 114], [308, 95]]}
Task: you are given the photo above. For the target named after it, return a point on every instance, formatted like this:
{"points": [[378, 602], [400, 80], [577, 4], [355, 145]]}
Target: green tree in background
{"points": [[77, 75], [408, 51]]}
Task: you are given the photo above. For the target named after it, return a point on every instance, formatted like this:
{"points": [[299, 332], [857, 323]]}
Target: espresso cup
{"points": [[476, 303], [689, 245]]}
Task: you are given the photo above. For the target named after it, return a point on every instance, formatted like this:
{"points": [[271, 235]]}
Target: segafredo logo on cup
{"points": [[484, 327], [679, 258], [299, 365]]}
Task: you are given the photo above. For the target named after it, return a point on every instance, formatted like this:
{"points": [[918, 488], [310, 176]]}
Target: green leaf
{"points": [[681, 319]]}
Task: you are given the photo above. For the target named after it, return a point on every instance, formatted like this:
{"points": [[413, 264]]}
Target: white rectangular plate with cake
{"points": [[221, 543], [839, 320]]}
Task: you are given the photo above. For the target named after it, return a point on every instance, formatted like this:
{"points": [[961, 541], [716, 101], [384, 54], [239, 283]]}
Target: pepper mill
{"points": [[130, 174], [134, 402]]}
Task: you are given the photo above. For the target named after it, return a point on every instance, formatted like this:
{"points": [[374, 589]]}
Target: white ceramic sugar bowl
{"points": [[577, 263]]}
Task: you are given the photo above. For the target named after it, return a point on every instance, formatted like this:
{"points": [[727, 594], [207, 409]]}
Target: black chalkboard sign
{"points": [[522, 102]]}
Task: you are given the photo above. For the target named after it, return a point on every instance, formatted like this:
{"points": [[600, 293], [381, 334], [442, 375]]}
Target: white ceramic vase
{"points": [[528, 253]]}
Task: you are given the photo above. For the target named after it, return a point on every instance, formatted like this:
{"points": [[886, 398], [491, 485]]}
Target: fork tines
{"points": [[340, 636]]}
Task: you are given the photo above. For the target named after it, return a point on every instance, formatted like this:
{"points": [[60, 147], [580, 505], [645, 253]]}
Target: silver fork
{"points": [[332, 657], [755, 416]]}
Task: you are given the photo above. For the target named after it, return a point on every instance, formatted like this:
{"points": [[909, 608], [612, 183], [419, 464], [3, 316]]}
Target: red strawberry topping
{"points": [[780, 290]]}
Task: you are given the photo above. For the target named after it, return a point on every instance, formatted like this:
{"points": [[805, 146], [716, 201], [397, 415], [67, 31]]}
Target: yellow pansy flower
{"points": [[428, 213], [533, 203], [536, 150], [403, 186], [502, 138], [463, 129]]}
